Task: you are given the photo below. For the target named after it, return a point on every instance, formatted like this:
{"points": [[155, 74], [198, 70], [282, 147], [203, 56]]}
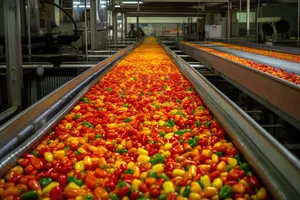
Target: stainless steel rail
{"points": [[289, 50], [278, 95], [39, 118], [277, 167]]}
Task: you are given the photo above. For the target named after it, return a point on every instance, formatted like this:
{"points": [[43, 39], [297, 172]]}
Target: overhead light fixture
{"points": [[132, 2], [82, 6], [117, 6], [76, 2]]}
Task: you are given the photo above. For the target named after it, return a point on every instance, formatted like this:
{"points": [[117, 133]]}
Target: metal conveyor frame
{"points": [[278, 95], [33, 123], [276, 166]]}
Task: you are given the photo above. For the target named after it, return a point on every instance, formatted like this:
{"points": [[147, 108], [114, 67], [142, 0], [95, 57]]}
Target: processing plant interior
{"points": [[149, 99]]}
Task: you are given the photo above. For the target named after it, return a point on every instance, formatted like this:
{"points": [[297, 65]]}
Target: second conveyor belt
{"points": [[143, 124], [267, 87], [289, 66]]}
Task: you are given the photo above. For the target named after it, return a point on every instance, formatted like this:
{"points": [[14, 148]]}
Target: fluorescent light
{"points": [[76, 2], [82, 6], [117, 6], [132, 2]]}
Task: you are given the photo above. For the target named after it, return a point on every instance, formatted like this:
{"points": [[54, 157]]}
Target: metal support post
{"points": [[115, 28], [29, 28], [125, 25], [298, 23], [257, 16], [138, 21], [228, 20], [13, 49], [248, 17], [93, 23], [122, 26], [137, 27], [85, 31]]}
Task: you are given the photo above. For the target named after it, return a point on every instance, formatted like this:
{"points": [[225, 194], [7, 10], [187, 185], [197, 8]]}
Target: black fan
{"points": [[282, 26], [267, 29]]}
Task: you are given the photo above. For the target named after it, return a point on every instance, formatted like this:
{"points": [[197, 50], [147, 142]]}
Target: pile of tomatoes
{"points": [[280, 73], [273, 54], [141, 132]]}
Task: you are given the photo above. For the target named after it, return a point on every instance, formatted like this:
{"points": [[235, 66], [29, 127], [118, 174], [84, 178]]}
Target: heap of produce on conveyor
{"points": [[273, 54], [280, 73], [141, 132]]}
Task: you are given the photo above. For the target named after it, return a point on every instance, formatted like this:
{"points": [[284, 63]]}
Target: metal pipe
{"points": [[248, 17], [85, 30], [93, 23], [13, 47], [298, 23], [29, 28], [228, 20], [257, 15], [122, 26], [115, 27], [7, 113], [125, 26]]}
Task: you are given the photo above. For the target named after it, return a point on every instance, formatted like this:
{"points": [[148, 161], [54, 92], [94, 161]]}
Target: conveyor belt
{"points": [[278, 169], [270, 91], [288, 66]]}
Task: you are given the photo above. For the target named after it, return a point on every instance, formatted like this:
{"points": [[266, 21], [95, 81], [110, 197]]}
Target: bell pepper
{"points": [[48, 156], [172, 122], [62, 179], [179, 132], [127, 119], [244, 166], [168, 187], [76, 117], [113, 197], [186, 191], [128, 171], [75, 180], [164, 176], [157, 158], [123, 191], [193, 141], [56, 193], [238, 158], [30, 195], [162, 134], [158, 168], [167, 124], [36, 163], [44, 182], [249, 173], [220, 154], [35, 153], [88, 197], [162, 197], [87, 124], [79, 166], [197, 123], [49, 187], [152, 174], [98, 136], [226, 192], [120, 151], [86, 100], [108, 89]]}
